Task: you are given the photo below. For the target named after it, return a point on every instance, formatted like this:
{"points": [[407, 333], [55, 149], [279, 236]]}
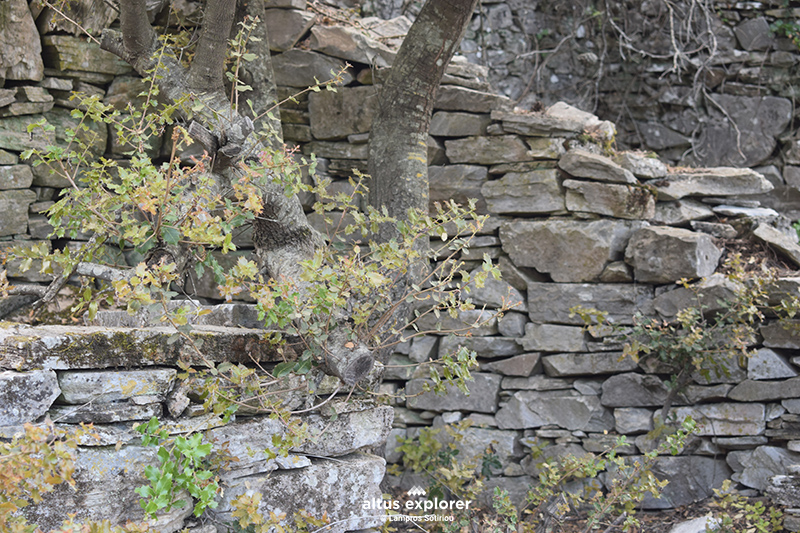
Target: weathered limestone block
{"points": [[26, 396], [774, 237], [459, 183], [560, 119], [454, 98], [14, 211], [125, 92], [600, 443], [634, 390], [63, 52], [553, 338], [479, 322], [70, 347], [350, 44], [110, 386], [482, 396], [765, 462], [299, 68], [712, 291], [20, 48], [337, 489], [680, 212], [759, 119], [725, 419], [700, 393], [573, 364], [475, 440], [754, 34], [691, 479], [538, 382], [356, 426], [764, 391], [722, 181], [513, 323], [457, 124], [534, 192], [105, 413], [287, 26], [349, 110], [567, 409], [551, 302], [337, 150], [584, 164], [665, 255], [15, 177], [659, 137], [105, 482], [641, 165], [569, 250], [631, 420], [495, 294], [768, 364], [488, 150], [14, 134], [520, 365], [782, 334], [618, 201]]}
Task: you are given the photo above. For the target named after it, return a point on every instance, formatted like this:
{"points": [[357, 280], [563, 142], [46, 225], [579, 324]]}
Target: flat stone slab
{"points": [[25, 347], [79, 387], [26, 396], [721, 181]]}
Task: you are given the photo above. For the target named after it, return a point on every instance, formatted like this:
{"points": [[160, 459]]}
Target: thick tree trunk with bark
{"points": [[398, 153]]}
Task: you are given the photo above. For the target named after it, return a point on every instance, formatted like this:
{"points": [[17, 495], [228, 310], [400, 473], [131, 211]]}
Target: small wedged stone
{"points": [[583, 164], [521, 365]]}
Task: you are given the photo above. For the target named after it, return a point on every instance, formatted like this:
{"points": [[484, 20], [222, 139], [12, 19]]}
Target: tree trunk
{"points": [[398, 143]]}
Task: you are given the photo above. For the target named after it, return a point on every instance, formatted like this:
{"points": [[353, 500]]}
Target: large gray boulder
{"points": [[666, 255]]}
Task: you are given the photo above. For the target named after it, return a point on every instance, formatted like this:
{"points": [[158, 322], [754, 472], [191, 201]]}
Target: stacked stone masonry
{"points": [[571, 224]]}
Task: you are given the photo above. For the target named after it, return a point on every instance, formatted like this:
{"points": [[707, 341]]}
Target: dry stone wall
{"points": [[572, 224]]}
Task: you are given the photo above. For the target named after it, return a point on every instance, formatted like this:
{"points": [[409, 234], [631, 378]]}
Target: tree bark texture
{"points": [[398, 160]]}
